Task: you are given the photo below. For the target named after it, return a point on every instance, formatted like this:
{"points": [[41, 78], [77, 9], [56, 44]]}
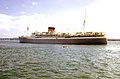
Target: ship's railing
{"points": [[24, 37], [77, 34]]}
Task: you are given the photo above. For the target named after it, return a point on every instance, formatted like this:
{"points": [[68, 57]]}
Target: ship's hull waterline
{"points": [[78, 40]]}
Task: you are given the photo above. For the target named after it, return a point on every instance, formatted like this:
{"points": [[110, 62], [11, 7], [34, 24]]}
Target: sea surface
{"points": [[52, 61]]}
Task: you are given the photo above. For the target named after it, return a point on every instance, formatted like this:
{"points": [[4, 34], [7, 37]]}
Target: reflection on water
{"points": [[46, 61]]}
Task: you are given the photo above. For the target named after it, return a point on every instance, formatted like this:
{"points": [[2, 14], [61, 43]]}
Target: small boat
{"points": [[65, 46]]}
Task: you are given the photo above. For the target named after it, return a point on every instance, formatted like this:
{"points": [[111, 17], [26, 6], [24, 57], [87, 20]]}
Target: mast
{"points": [[84, 22]]}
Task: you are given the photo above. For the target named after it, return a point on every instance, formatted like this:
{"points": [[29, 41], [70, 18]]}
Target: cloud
{"points": [[34, 3], [101, 15], [12, 26], [7, 24], [22, 12]]}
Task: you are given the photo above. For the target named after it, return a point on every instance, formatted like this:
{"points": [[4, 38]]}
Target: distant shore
{"points": [[9, 38], [18, 39], [113, 39]]}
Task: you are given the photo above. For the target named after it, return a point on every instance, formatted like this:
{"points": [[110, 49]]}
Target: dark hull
{"points": [[80, 40]]}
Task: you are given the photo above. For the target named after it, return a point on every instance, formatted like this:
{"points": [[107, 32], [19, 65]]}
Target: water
{"points": [[48, 61]]}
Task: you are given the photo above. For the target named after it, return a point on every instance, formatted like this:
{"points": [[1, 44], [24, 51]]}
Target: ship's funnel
{"points": [[51, 29]]}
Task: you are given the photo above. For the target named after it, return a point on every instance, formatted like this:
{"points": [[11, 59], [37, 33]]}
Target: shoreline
{"points": [[18, 39], [9, 38], [113, 39]]}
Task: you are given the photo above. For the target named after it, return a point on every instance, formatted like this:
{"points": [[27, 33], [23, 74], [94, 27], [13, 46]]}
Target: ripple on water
{"points": [[45, 61]]}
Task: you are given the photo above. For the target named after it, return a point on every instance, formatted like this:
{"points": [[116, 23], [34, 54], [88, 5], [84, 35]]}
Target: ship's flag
{"points": [[27, 28], [84, 23]]}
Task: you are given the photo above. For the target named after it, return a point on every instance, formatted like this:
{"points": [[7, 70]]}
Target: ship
{"points": [[53, 37]]}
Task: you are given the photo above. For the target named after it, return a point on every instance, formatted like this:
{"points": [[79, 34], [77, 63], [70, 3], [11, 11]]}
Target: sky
{"points": [[64, 15]]}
